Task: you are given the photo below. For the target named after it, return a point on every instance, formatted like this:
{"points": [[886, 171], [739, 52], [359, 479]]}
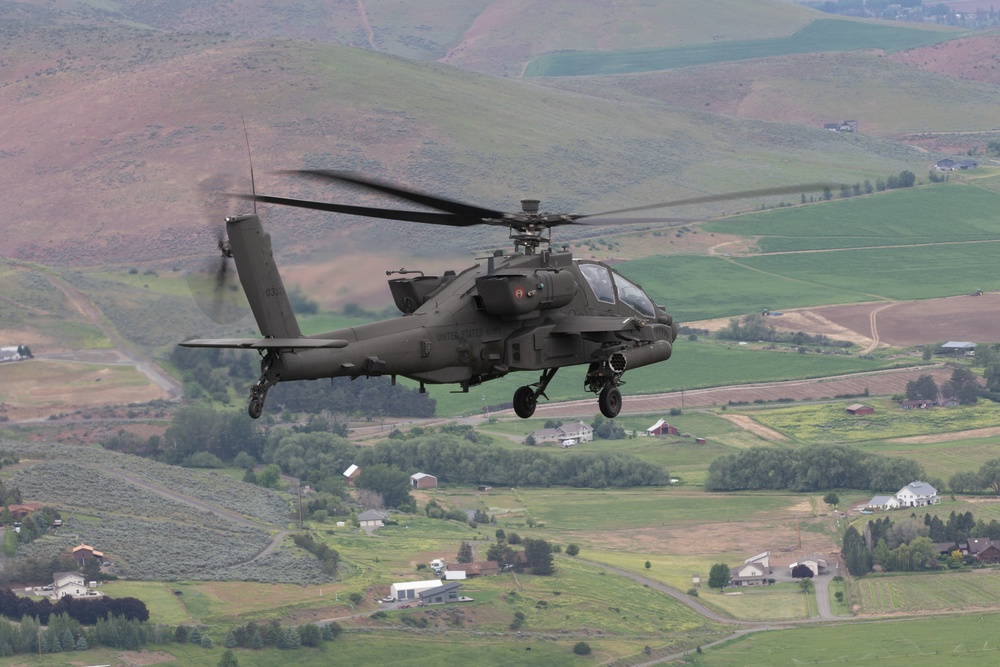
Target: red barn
{"points": [[662, 428], [859, 409]]}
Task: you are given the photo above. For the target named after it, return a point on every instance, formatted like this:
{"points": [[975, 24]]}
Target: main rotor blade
{"points": [[433, 201], [382, 213], [708, 199]]}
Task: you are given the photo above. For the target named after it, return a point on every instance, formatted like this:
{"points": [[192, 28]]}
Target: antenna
{"points": [[253, 186]]}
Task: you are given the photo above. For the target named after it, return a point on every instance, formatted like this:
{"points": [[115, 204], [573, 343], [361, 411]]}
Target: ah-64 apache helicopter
{"points": [[536, 309]]}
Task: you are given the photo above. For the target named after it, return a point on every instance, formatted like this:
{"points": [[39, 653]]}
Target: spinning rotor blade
{"points": [[370, 212], [448, 205], [213, 282], [708, 199]]}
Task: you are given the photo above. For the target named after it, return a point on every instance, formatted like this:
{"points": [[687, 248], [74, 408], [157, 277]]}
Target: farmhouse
{"points": [[662, 428], [409, 590], [68, 583], [983, 549], [23, 510], [441, 594], [577, 431], [955, 165], [917, 404], [372, 519], [917, 494], [859, 409], [83, 553], [748, 574], [421, 480]]}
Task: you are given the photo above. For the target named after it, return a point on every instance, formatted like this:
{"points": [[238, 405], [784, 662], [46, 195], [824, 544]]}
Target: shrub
{"points": [[581, 648]]}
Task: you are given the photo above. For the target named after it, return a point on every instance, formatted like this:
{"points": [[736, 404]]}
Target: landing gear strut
{"points": [[526, 398], [603, 380], [258, 392]]}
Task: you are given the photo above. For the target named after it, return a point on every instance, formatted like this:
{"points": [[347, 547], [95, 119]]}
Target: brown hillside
{"points": [[971, 58]]}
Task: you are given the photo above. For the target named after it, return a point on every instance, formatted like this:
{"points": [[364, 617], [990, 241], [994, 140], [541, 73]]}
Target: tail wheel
{"points": [[610, 401], [525, 401]]}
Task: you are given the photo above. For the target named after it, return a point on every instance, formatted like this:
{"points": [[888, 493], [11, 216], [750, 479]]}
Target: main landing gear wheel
{"points": [[525, 401], [610, 401], [256, 408]]}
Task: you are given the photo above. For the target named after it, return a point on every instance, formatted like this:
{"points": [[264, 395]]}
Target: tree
{"points": [[963, 386], [391, 482], [269, 476], [965, 482], [581, 648], [989, 475], [464, 552], [718, 576], [229, 659], [924, 388], [502, 553], [539, 556], [831, 499], [806, 585], [572, 549], [648, 565], [802, 571]]}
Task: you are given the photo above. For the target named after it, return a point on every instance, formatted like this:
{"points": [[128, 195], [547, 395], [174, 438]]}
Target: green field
{"points": [[952, 591], [815, 424], [894, 218], [965, 641], [818, 36]]}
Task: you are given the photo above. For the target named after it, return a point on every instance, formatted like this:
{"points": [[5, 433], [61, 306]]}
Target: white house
{"points": [[411, 590], [68, 583], [578, 431], [748, 574], [917, 494]]}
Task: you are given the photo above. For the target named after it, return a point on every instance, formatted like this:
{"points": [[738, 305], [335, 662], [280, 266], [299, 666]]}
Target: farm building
{"points": [[421, 480], [959, 347], [917, 404], [859, 409], [15, 353], [409, 590], [955, 165], [23, 510], [882, 503], [578, 431], [477, 569], [441, 594], [661, 428], [372, 519], [816, 565], [351, 474]]}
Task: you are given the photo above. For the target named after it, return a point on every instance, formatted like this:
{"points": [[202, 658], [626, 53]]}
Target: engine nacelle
{"points": [[411, 293], [519, 295]]}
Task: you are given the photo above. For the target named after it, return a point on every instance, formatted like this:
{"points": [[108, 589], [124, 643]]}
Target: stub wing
{"points": [[267, 343]]}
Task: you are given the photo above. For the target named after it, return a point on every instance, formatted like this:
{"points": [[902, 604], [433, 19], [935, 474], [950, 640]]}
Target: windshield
{"points": [[599, 280], [631, 295]]}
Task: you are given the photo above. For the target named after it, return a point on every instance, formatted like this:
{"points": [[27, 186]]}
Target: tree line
{"points": [[85, 612], [814, 468]]}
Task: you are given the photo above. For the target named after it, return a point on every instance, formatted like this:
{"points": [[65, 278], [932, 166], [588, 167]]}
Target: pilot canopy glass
{"points": [[600, 280]]}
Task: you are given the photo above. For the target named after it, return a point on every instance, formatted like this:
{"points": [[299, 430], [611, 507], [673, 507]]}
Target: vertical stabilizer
{"points": [[251, 248]]}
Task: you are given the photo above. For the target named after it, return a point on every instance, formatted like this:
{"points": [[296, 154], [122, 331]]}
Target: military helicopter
{"points": [[536, 309]]}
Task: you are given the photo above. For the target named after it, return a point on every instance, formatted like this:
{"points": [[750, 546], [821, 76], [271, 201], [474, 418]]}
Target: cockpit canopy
{"points": [[605, 283]]}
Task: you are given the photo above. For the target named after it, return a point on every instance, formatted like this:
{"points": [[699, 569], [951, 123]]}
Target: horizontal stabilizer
{"points": [[267, 343], [593, 324]]}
